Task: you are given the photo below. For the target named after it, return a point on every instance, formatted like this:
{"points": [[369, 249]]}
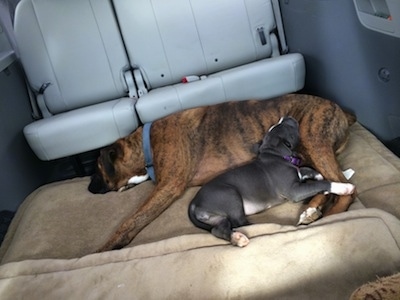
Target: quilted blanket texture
{"points": [[47, 252]]}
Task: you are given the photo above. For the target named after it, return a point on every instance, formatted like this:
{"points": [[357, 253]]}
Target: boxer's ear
{"points": [[108, 157], [112, 155], [114, 151]]}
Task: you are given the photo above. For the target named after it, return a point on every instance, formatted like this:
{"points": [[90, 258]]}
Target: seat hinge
{"points": [[141, 87], [130, 84]]}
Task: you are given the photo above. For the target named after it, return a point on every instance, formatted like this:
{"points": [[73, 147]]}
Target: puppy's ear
{"points": [[269, 141], [291, 121]]}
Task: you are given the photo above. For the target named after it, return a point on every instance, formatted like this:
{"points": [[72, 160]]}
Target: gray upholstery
{"points": [[169, 40], [82, 129], [258, 80], [75, 46], [90, 53]]}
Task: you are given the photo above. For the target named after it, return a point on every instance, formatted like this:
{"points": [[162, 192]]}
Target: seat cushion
{"points": [[259, 80], [82, 129]]}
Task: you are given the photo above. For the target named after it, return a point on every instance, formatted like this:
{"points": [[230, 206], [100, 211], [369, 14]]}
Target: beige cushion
{"points": [[60, 224]]}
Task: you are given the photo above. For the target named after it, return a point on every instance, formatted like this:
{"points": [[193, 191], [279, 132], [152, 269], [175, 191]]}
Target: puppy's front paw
{"points": [[308, 216], [340, 188], [239, 239]]}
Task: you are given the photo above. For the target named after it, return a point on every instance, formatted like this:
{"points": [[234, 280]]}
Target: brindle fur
{"points": [[193, 146]]}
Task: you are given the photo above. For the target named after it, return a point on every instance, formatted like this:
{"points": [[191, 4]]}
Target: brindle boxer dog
{"points": [[193, 146]]}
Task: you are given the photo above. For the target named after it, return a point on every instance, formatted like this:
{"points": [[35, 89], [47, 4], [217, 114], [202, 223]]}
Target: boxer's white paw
{"points": [[319, 177], [340, 188], [135, 180], [239, 239], [138, 179], [308, 216]]}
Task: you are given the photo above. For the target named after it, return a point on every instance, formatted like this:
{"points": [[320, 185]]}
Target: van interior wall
{"points": [[21, 172], [344, 59]]}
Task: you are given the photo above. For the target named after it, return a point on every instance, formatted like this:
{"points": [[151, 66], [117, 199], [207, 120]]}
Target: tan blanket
{"points": [[327, 260], [46, 252]]}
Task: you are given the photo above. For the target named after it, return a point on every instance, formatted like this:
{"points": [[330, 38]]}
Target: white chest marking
{"points": [[138, 179]]}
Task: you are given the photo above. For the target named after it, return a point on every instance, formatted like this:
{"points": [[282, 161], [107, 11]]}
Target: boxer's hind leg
{"points": [[313, 213], [318, 147], [331, 170], [328, 166]]}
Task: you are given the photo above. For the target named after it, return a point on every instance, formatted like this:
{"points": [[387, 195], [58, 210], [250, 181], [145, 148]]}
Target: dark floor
{"points": [[5, 220], [394, 146]]}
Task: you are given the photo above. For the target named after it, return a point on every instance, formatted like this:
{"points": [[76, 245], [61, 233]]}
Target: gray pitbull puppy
{"points": [[275, 176]]}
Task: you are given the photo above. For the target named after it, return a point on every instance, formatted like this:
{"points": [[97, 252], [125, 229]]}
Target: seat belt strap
{"points": [[279, 26], [42, 106], [36, 113], [40, 100], [274, 45]]}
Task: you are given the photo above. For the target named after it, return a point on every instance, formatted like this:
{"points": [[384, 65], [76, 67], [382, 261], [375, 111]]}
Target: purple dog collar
{"points": [[293, 160]]}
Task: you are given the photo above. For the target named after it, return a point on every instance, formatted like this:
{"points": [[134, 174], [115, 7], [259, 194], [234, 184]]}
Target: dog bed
{"points": [[48, 250]]}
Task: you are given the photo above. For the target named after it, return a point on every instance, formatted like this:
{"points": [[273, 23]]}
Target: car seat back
{"points": [[222, 45], [74, 59], [168, 40]]}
